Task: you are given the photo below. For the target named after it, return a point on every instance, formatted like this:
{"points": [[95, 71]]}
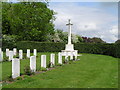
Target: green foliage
{"points": [[80, 74], [28, 20], [19, 78], [118, 41], [25, 76], [43, 69], [80, 39], [58, 64], [5, 58], [27, 70], [41, 46], [10, 78], [9, 41], [92, 40], [94, 48]]}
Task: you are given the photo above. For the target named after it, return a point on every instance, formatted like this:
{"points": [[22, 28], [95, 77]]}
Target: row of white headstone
{"points": [[16, 63], [11, 54]]}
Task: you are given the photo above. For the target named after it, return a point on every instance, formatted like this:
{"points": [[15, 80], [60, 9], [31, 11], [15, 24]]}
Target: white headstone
{"points": [[28, 53], [14, 51], [35, 52], [7, 52], [43, 61], [52, 59], [20, 54], [33, 63], [10, 55], [1, 56], [59, 58], [15, 68]]}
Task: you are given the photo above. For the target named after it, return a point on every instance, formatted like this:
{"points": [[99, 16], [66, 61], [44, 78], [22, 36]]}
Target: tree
{"points": [[80, 39], [118, 41], [97, 40], [28, 20], [92, 40]]}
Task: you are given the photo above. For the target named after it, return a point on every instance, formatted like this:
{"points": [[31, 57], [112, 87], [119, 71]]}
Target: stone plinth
{"points": [[70, 53], [69, 47]]}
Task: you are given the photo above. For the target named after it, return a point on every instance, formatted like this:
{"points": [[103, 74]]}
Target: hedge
{"points": [[105, 49]]}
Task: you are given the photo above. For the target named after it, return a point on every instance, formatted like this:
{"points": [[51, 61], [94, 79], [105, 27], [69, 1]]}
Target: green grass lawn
{"points": [[92, 71], [7, 66]]}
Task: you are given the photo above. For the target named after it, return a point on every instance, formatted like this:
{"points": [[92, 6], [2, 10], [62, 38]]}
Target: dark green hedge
{"points": [[105, 49], [41, 46]]}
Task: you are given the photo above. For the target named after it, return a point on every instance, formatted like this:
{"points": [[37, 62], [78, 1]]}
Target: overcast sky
{"points": [[90, 19]]}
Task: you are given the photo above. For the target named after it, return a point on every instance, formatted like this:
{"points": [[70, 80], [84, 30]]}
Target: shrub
{"points": [[94, 48], [10, 78], [43, 69], [9, 41], [5, 58], [41, 46], [27, 70], [58, 64], [19, 78]]}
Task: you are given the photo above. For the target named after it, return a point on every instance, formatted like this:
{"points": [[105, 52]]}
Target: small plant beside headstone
{"points": [[27, 71], [10, 79], [5, 58], [59, 64], [19, 78], [43, 69]]}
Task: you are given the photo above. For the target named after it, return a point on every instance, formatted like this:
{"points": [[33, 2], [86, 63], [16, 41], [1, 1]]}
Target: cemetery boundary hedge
{"points": [[105, 49]]}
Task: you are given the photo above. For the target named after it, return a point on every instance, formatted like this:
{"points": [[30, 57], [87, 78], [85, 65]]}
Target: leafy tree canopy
{"points": [[28, 20]]}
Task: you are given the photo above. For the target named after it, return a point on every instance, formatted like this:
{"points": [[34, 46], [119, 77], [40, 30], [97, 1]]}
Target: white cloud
{"points": [[87, 21], [114, 30]]}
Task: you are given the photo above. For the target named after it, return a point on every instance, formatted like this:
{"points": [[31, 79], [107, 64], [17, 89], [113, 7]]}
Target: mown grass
{"points": [[7, 66], [92, 71]]}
